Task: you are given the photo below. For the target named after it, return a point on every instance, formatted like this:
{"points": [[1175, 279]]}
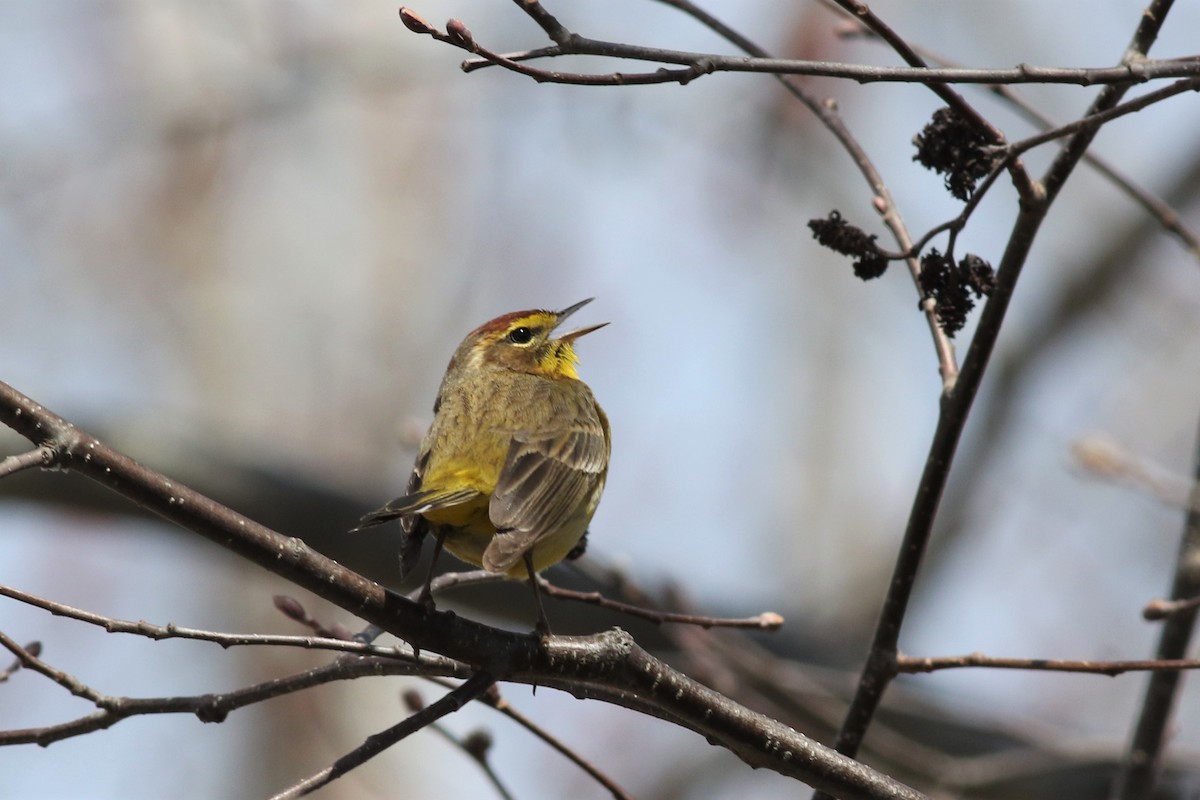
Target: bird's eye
{"points": [[521, 335]]}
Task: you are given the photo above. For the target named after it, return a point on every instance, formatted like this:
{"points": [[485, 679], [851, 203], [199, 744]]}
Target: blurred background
{"points": [[241, 240]]}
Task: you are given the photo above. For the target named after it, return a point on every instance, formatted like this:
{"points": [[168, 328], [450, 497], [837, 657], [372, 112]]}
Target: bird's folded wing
{"points": [[543, 483]]}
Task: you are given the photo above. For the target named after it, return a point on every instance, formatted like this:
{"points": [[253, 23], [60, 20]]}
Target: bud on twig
{"points": [[460, 34], [414, 22], [477, 744], [290, 607], [412, 700]]}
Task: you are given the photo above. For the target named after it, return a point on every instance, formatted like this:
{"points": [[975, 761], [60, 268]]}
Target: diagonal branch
{"points": [[862, 14], [827, 114], [608, 666], [472, 688]]}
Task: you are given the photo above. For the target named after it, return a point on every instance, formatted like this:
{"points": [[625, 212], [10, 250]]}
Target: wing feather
{"points": [[542, 485]]}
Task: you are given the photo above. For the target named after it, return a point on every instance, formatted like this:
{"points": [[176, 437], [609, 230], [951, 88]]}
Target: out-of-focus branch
{"points": [[496, 701], [1144, 760]]}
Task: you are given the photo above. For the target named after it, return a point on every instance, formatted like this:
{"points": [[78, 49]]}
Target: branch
{"points": [[476, 685], [827, 114], [505, 708], [608, 666], [909, 665], [862, 14], [172, 631], [1149, 736], [767, 621], [206, 707], [38, 457], [706, 63], [1093, 122], [1154, 205], [881, 662]]}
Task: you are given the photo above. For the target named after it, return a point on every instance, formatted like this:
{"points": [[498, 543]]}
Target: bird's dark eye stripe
{"points": [[521, 335]]}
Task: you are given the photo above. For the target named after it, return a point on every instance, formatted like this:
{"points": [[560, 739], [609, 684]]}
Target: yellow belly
{"points": [[467, 531]]}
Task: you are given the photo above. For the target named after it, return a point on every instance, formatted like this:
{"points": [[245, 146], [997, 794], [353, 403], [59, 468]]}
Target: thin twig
{"points": [[472, 688], [38, 457], [1104, 458], [911, 665], [1092, 122], [505, 708], [494, 700], [767, 621], [862, 14], [206, 707], [476, 745], [1145, 755], [706, 63], [173, 631], [1161, 609], [29, 660], [827, 115], [1154, 205], [33, 649]]}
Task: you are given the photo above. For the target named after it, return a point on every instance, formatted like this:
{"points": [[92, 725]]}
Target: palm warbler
{"points": [[511, 470]]}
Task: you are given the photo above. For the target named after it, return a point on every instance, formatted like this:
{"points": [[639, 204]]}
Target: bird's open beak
{"points": [[575, 334]]}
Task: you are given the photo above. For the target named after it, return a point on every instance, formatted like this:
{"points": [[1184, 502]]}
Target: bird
{"points": [[511, 470]]}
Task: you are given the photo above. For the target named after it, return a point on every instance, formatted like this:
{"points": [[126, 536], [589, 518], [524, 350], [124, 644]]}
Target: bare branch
{"points": [[863, 15], [911, 665], [1104, 458], [506, 708], [38, 457], [1092, 122], [1161, 609], [31, 650], [1154, 205], [1150, 734], [206, 707], [708, 63], [173, 631], [607, 666], [827, 114], [476, 685], [767, 621], [1036, 199]]}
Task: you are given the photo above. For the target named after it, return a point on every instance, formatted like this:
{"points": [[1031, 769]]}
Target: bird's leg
{"points": [[543, 625], [425, 598]]}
